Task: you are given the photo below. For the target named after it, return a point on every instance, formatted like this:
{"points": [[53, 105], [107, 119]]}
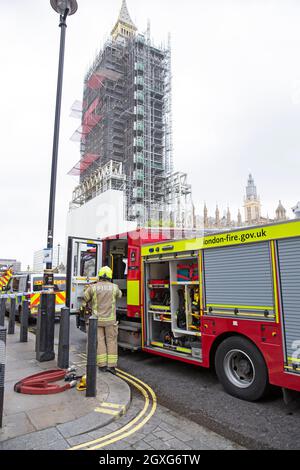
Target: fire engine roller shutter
{"points": [[238, 281], [289, 266]]}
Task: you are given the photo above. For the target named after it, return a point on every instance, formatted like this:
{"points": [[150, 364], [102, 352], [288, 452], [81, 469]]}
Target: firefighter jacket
{"points": [[103, 298]]}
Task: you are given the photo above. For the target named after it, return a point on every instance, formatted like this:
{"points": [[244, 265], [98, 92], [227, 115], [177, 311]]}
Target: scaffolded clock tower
{"points": [[126, 129]]}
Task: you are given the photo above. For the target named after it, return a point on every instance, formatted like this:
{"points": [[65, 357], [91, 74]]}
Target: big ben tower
{"points": [[252, 203]]}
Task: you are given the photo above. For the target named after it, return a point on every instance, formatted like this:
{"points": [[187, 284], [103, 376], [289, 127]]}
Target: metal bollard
{"points": [[24, 322], [2, 369], [64, 339], [91, 366], [12, 316], [2, 310], [45, 328]]}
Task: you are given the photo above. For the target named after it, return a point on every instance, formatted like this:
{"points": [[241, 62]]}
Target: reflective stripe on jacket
{"points": [[103, 298]]}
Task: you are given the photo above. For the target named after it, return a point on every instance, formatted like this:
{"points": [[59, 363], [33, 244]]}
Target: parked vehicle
{"points": [[29, 286], [229, 300], [5, 276]]}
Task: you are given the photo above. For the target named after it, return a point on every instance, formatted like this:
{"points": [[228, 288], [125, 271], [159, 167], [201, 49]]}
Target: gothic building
{"points": [[252, 212], [252, 203]]}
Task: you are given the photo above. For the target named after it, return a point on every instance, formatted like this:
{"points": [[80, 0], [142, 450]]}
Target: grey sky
{"points": [[236, 102]]}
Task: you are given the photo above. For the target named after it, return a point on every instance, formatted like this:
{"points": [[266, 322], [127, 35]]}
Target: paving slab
{"points": [[34, 440], [15, 425]]}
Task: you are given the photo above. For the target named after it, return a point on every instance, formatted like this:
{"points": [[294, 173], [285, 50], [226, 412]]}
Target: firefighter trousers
{"points": [[107, 353]]}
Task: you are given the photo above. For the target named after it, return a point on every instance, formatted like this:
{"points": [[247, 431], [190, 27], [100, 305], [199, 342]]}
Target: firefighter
{"points": [[103, 296]]}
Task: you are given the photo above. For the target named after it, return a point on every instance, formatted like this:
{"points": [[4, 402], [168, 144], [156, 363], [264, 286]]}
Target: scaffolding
{"points": [[178, 196], [108, 177], [126, 117], [126, 127]]}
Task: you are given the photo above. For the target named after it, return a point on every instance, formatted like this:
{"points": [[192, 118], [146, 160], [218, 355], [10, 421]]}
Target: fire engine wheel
{"points": [[241, 369]]}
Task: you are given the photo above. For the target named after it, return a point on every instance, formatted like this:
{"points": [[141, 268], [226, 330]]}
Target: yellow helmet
{"points": [[105, 273], [82, 384]]}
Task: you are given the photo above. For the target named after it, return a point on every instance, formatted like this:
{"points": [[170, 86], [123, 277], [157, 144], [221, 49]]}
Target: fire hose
{"points": [[43, 382]]}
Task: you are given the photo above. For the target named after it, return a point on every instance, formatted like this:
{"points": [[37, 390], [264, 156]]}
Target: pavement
{"points": [[196, 394], [28, 420], [118, 418]]}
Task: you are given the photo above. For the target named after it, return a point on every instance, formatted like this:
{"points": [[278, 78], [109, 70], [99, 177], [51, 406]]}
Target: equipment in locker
{"points": [[160, 297], [187, 272], [159, 283], [195, 305], [180, 314], [167, 337]]}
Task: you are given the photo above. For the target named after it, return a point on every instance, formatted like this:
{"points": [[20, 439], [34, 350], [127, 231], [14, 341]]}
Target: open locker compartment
{"points": [[168, 309], [185, 301]]}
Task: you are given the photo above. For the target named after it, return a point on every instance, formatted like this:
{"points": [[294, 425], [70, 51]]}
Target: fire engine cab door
{"points": [[83, 263], [133, 280]]}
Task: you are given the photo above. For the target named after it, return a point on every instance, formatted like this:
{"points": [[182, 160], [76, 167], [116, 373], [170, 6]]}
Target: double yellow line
{"points": [[133, 426]]}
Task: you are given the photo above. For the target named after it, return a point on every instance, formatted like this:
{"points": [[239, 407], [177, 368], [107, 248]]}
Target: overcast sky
{"points": [[236, 103]]}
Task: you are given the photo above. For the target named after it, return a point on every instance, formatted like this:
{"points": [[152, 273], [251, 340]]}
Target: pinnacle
{"points": [[124, 15]]}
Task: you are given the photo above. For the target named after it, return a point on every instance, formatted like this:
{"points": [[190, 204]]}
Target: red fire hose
{"points": [[42, 383]]}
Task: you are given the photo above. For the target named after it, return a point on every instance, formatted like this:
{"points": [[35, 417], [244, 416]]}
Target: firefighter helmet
{"points": [[105, 273], [82, 384]]}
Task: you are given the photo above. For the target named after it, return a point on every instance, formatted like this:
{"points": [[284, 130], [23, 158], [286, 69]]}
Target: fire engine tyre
{"points": [[241, 369]]}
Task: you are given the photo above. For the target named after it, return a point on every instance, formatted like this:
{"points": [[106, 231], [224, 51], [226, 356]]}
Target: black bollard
{"points": [[45, 328], [91, 365], [2, 369], [24, 322], [64, 339], [12, 316], [2, 310]]}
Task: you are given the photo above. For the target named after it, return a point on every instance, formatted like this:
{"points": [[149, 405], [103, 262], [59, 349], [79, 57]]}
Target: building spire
{"points": [[251, 192], [217, 221], [205, 215], [124, 26], [124, 15], [280, 212], [239, 218], [228, 217]]}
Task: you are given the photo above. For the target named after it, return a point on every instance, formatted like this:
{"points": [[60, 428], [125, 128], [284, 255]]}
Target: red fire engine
{"points": [[229, 300]]}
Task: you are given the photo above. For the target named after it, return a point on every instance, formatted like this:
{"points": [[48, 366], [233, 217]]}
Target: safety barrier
{"points": [[64, 339], [2, 309], [45, 328], [2, 369], [24, 322], [12, 316], [91, 366]]}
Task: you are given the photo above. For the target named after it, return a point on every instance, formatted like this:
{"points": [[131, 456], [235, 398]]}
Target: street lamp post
{"points": [[64, 8], [46, 315]]}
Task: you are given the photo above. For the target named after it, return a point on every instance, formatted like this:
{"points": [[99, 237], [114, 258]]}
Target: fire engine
{"points": [[230, 300]]}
